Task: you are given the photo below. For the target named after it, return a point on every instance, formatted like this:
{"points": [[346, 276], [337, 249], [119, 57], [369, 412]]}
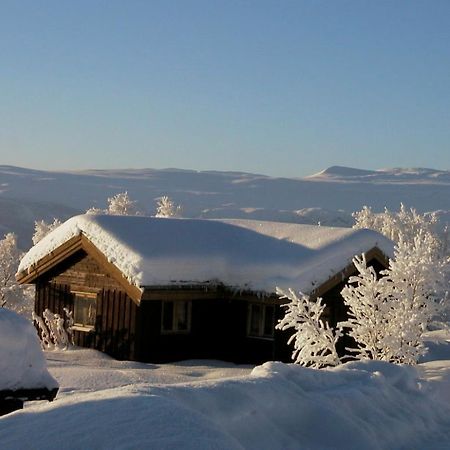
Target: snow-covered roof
{"points": [[240, 254]]}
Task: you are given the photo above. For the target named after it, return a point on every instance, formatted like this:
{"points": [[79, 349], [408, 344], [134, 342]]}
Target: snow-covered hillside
{"points": [[328, 197]]}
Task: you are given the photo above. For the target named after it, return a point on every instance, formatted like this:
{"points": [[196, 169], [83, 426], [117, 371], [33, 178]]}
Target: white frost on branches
{"points": [[9, 261], [42, 228], [12, 295], [122, 205], [96, 211], [405, 224], [118, 205], [314, 341], [413, 281], [368, 312], [389, 315], [55, 332], [165, 207]]}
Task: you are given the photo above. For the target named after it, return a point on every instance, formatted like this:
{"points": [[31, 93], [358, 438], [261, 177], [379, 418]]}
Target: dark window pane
{"points": [[255, 320], [269, 320], [85, 310], [181, 315], [167, 316]]}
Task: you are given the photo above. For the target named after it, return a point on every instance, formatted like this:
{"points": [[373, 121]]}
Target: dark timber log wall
{"points": [[127, 331], [115, 328]]}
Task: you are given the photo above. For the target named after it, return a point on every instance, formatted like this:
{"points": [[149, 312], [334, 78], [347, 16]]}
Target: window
{"points": [[261, 320], [84, 310], [176, 317]]}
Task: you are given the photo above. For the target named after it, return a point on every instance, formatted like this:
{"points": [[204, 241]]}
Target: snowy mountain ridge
{"points": [[392, 175], [329, 197]]}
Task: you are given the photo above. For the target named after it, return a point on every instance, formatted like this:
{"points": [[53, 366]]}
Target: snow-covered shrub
{"points": [[95, 211], [55, 332], [407, 228], [42, 228], [388, 316], [413, 281], [166, 208], [122, 205], [405, 223], [12, 295], [314, 341], [368, 305], [118, 205], [9, 261]]}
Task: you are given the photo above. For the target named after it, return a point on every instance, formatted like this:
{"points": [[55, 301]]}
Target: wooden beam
{"points": [[373, 253], [67, 249], [50, 260]]}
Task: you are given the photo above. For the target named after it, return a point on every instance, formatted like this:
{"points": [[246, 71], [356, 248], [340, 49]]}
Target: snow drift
{"points": [[361, 405], [22, 362]]}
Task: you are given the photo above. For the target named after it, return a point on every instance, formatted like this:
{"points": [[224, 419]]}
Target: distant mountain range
{"points": [[328, 197]]}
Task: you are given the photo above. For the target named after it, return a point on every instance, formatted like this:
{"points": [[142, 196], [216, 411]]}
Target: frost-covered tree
{"points": [[9, 261], [42, 228], [413, 281], [404, 226], [314, 341], [95, 211], [12, 295], [165, 207], [389, 315], [118, 205], [368, 304], [405, 223], [122, 205], [55, 332]]}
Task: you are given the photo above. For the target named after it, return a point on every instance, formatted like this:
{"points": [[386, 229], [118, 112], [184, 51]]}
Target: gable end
{"points": [[69, 248]]}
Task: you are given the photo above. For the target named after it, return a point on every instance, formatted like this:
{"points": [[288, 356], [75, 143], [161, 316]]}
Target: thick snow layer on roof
{"points": [[237, 253], [22, 362]]}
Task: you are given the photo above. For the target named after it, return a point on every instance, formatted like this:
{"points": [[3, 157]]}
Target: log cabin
{"points": [[159, 290]]}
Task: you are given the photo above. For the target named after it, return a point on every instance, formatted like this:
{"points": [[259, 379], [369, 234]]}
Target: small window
{"points": [[85, 310], [261, 320], [176, 317]]}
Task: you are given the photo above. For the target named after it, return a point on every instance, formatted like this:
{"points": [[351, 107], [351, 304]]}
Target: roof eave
{"points": [[76, 243]]}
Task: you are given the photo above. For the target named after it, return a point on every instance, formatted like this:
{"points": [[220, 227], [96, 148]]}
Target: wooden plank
{"points": [[105, 308], [373, 254], [49, 261], [133, 291], [133, 332]]}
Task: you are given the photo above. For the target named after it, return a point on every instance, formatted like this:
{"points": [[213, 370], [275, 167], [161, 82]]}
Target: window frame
{"points": [[261, 321], [175, 329], [86, 295]]}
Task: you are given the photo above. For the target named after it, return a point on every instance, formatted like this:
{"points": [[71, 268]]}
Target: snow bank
{"points": [[363, 405], [240, 254], [22, 362]]}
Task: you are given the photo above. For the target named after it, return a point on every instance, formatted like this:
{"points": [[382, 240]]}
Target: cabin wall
{"points": [[125, 330], [218, 331], [116, 313]]}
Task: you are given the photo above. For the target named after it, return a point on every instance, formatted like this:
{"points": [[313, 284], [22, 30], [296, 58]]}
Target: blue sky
{"points": [[284, 88]]}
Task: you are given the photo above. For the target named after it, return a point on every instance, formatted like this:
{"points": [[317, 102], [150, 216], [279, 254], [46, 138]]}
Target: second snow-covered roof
{"points": [[237, 253]]}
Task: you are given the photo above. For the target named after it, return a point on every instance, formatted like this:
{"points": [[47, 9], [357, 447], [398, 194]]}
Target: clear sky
{"points": [[285, 88]]}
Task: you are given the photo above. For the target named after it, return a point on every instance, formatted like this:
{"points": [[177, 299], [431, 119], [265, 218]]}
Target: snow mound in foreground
{"points": [[361, 405], [22, 362]]}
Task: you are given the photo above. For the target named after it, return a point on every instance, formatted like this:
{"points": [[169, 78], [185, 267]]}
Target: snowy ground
{"points": [[108, 404]]}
